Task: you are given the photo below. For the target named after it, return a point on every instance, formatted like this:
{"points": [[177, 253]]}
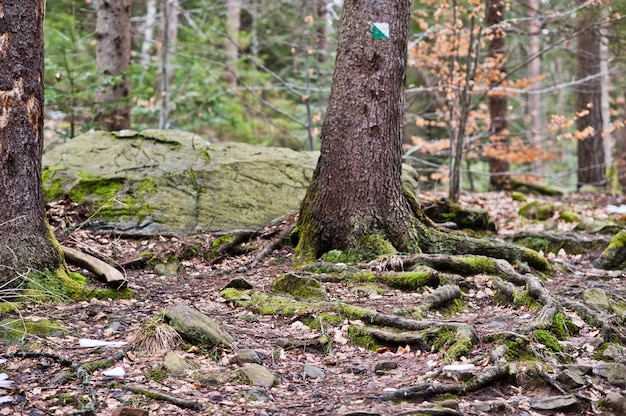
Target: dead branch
{"points": [[153, 394], [270, 246], [110, 274]]}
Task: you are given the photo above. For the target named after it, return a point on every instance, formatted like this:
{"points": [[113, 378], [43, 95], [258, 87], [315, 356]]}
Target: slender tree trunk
{"points": [[25, 240], [112, 60], [148, 32], [357, 191], [591, 162], [231, 47], [621, 152], [534, 71], [499, 135], [320, 30], [169, 34], [606, 114]]}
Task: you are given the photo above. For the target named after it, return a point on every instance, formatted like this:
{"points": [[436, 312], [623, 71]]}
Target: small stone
{"points": [[615, 373], [570, 379], [215, 378], [238, 283], [196, 327], [360, 413], [258, 394], [167, 269], [481, 407], [244, 356], [596, 299], [385, 366], [613, 353], [259, 375], [357, 370], [616, 402], [310, 371], [497, 324], [555, 403], [364, 292], [175, 364]]}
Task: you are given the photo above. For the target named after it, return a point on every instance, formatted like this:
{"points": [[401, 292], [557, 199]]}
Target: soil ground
{"points": [[351, 385]]}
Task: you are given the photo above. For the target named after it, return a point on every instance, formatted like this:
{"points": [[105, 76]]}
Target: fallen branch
{"points": [[102, 270], [177, 401]]}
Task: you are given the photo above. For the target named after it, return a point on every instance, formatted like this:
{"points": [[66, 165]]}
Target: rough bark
{"points": [[534, 73], [25, 241], [357, 191], [112, 60], [591, 163], [499, 178]]}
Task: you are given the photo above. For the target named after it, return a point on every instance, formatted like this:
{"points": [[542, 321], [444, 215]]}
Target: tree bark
{"points": [[591, 163], [357, 190], [148, 33], [499, 176], [534, 72], [25, 240], [112, 60], [621, 152], [169, 35]]}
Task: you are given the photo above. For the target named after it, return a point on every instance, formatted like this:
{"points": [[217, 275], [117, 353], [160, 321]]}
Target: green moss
{"points": [[333, 256], [535, 210], [375, 288], [219, 242], [518, 196], [569, 216], [12, 330], [523, 298], [420, 277], [479, 264], [517, 350], [548, 339], [301, 287], [461, 345], [562, 326], [359, 337], [112, 294], [231, 294], [598, 354], [156, 374], [369, 277], [324, 319], [53, 188], [55, 285]]}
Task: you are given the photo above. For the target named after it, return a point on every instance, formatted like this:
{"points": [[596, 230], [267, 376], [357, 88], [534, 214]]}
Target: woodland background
{"points": [[521, 88]]}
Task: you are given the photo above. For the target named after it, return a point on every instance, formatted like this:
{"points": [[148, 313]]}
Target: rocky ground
{"points": [[313, 359]]}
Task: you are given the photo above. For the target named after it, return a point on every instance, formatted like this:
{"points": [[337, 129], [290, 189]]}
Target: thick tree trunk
{"points": [[112, 60], [499, 178], [25, 240], [357, 191], [591, 163]]}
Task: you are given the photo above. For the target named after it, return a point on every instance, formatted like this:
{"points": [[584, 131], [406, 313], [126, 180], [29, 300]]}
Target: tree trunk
{"points": [[231, 47], [112, 60], [534, 72], [148, 33], [25, 240], [621, 152], [591, 163], [357, 191], [606, 99], [169, 34], [499, 176]]}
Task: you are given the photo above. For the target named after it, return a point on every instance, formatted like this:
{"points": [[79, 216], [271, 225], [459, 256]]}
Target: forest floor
{"points": [[353, 380]]}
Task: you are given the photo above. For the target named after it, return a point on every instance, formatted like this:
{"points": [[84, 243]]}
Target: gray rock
{"points": [[310, 371], [215, 378], [616, 402], [196, 327], [385, 366], [298, 286], [556, 403], [167, 269], [570, 379], [161, 181], [615, 373], [258, 394], [238, 283], [175, 364], [244, 356], [613, 353], [596, 298], [259, 375]]}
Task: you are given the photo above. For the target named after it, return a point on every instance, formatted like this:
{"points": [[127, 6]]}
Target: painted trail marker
{"points": [[380, 31]]}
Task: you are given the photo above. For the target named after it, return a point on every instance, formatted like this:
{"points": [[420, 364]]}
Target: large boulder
{"points": [[171, 181]]}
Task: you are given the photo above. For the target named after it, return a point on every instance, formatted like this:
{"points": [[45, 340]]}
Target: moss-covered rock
{"points": [[172, 181], [298, 286], [614, 256], [537, 210]]}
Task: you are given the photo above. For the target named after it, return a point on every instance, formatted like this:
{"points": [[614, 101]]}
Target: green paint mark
{"points": [[380, 31]]}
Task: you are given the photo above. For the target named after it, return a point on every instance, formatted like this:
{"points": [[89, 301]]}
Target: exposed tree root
{"points": [[110, 274], [153, 394]]}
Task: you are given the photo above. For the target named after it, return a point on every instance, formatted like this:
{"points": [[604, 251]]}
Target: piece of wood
{"points": [[102, 270]]}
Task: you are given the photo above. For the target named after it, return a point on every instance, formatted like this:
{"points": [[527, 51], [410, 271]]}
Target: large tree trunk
{"points": [[499, 178], [112, 60], [25, 240], [591, 163], [357, 189]]}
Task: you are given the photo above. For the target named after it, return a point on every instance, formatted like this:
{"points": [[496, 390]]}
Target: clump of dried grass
{"points": [[156, 336]]}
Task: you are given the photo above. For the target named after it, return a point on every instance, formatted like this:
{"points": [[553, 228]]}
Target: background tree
{"points": [[591, 164], [498, 132], [113, 57], [25, 241]]}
